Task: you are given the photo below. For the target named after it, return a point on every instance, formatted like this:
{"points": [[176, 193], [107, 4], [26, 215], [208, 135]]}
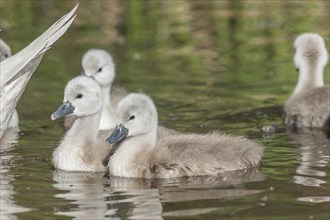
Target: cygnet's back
{"points": [[309, 104], [208, 154]]}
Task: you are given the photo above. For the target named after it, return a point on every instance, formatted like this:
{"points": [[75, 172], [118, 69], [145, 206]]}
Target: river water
{"points": [[208, 65]]}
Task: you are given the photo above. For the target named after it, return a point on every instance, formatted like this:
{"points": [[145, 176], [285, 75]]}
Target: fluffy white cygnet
{"points": [[83, 147], [309, 104], [98, 64], [140, 151]]}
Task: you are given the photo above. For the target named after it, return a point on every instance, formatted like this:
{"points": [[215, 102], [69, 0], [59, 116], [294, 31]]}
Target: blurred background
{"points": [[223, 56], [209, 65]]}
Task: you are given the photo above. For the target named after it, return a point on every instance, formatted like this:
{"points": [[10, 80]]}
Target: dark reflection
{"points": [[202, 190], [314, 149], [135, 198], [7, 206], [96, 197], [234, 28], [266, 121]]}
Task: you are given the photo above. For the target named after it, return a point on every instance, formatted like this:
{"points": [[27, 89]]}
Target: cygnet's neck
{"points": [[131, 157], [109, 118], [310, 77], [106, 95], [84, 129]]}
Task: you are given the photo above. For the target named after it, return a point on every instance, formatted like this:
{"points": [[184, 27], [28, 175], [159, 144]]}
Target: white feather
{"points": [[16, 71]]}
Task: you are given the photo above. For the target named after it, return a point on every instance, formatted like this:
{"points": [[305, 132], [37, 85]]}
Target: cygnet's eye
{"points": [[99, 70], [131, 117], [6, 55], [297, 69], [79, 96]]}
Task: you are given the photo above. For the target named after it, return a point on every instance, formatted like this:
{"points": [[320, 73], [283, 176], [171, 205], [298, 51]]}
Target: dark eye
{"points": [[99, 70], [79, 96], [297, 69], [6, 55], [131, 117]]}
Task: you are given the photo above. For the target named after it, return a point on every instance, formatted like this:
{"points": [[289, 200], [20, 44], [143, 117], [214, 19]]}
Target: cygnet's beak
{"points": [[65, 109], [118, 134], [82, 72]]}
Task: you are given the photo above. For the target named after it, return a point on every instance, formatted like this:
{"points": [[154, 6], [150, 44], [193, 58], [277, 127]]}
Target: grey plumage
{"points": [[309, 105], [309, 109], [151, 151], [196, 155]]}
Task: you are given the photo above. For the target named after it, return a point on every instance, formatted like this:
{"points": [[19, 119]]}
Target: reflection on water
{"points": [[85, 190], [97, 197], [204, 190], [140, 197], [7, 206], [314, 149], [314, 199]]}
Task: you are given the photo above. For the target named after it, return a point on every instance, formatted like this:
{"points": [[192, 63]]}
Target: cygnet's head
{"points": [[138, 116], [5, 50], [99, 65], [82, 97], [310, 51]]}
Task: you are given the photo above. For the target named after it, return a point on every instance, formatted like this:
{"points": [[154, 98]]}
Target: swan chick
{"points": [[308, 106], [98, 64], [5, 50], [83, 147], [139, 152]]}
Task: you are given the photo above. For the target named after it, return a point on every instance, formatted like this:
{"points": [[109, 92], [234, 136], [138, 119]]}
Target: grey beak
{"points": [[65, 109], [82, 72], [118, 134]]}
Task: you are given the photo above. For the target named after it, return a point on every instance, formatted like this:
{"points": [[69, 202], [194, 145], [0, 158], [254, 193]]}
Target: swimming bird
{"points": [[5, 52], [83, 147], [309, 104], [138, 151], [98, 64], [16, 70]]}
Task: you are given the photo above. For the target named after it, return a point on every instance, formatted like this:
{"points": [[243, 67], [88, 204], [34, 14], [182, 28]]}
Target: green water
{"points": [[208, 65]]}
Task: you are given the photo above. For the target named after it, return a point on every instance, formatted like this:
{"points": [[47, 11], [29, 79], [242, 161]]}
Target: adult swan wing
{"points": [[16, 70]]}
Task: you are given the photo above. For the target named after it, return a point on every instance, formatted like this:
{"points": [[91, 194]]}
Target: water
{"points": [[209, 65]]}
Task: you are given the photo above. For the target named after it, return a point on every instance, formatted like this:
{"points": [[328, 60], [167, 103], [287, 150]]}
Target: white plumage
{"points": [[309, 104], [16, 70]]}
